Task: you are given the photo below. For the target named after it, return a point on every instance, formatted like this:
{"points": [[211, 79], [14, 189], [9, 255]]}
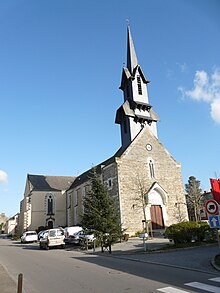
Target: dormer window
{"points": [[139, 85]]}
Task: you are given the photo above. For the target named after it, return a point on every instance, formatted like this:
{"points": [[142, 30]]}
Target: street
{"points": [[67, 270]]}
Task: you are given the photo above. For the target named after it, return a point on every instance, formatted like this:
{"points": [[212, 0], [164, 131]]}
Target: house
{"points": [[11, 225], [44, 202], [141, 168], [3, 220]]}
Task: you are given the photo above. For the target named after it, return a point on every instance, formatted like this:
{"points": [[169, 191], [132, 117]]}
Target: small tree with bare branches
{"points": [[141, 197]]}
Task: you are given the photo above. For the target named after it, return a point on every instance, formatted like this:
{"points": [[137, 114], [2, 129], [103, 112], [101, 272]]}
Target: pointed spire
{"points": [[132, 61]]}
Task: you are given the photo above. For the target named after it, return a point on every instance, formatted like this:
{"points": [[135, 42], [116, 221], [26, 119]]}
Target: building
{"points": [[141, 168], [3, 220], [44, 202], [11, 225]]}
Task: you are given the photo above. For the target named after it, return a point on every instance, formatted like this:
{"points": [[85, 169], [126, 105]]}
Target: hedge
{"points": [[186, 232]]}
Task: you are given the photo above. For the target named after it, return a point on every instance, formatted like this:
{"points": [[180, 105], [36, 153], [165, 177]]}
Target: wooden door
{"points": [[156, 217]]}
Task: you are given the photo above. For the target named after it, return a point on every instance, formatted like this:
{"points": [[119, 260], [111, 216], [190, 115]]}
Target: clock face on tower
{"points": [[149, 147]]}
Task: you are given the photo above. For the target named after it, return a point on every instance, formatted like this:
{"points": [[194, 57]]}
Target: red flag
{"points": [[215, 184]]}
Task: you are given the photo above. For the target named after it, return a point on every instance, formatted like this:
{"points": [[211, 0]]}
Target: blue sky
{"points": [[60, 71]]}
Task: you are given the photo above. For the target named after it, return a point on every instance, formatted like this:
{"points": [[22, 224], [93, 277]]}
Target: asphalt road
{"points": [[60, 271]]}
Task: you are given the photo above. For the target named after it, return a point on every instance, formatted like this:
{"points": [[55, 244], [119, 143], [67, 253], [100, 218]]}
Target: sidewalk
{"points": [[7, 284], [136, 245], [199, 258]]}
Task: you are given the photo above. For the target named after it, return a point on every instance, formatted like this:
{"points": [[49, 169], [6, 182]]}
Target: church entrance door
{"points": [[156, 217], [50, 224]]}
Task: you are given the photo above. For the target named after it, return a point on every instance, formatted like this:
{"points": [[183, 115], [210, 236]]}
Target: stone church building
{"points": [[141, 168], [142, 177]]}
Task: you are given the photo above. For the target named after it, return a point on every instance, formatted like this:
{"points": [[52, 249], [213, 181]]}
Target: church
{"points": [[142, 177]]}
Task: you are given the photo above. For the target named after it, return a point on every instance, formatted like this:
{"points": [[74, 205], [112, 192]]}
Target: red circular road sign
{"points": [[211, 207]]}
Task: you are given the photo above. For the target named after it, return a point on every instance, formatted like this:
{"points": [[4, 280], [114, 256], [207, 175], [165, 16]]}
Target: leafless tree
{"points": [[141, 196]]}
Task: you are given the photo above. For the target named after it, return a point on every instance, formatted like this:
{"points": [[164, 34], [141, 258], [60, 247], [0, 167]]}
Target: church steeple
{"points": [[136, 112], [132, 61]]}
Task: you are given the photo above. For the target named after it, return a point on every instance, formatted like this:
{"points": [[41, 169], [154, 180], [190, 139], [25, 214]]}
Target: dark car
{"points": [[41, 234]]}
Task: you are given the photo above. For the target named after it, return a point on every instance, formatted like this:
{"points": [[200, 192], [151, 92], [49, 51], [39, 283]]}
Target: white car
{"points": [[29, 236], [52, 237], [70, 231], [81, 237]]}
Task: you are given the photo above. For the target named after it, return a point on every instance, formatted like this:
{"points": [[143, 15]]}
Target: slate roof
{"points": [[127, 110], [87, 174], [50, 183]]}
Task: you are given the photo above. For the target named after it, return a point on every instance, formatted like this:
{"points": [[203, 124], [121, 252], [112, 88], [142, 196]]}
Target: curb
{"points": [[212, 261], [163, 264]]}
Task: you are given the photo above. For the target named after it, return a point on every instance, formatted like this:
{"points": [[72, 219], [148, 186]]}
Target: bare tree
{"points": [[141, 197]]}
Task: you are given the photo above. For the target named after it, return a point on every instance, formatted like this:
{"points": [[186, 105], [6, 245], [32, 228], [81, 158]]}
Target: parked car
{"points": [[41, 234], [81, 237], [70, 231], [52, 238], [29, 236]]}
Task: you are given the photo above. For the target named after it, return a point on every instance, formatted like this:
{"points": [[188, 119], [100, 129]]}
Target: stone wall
{"points": [[133, 167]]}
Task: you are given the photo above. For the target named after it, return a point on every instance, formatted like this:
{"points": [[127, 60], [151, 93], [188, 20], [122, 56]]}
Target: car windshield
{"points": [[52, 233]]}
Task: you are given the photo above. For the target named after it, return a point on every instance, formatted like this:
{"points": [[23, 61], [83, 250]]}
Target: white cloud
{"points": [[206, 88], [3, 177], [215, 110]]}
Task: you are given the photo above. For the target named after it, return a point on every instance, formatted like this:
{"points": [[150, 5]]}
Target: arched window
{"points": [[151, 167], [50, 204], [139, 85]]}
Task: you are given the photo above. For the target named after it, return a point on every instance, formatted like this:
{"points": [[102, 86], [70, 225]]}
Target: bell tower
{"points": [[136, 112]]}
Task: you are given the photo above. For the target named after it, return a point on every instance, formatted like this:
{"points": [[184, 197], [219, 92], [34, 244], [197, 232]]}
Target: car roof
{"points": [[31, 232], [54, 229]]}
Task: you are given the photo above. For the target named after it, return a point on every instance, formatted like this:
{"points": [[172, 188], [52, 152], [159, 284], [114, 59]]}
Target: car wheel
{"points": [[63, 246]]}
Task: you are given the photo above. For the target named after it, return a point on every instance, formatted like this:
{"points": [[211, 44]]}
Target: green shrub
{"points": [[186, 232]]}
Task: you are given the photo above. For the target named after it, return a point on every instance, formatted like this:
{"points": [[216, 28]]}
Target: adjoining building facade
{"points": [[44, 203], [142, 164], [11, 225]]}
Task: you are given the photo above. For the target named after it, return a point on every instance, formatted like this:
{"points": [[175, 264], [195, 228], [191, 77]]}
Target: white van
{"points": [[70, 231], [52, 237]]}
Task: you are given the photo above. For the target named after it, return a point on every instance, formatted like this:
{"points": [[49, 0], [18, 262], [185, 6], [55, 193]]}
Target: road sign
{"points": [[215, 184], [214, 221], [211, 207]]}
